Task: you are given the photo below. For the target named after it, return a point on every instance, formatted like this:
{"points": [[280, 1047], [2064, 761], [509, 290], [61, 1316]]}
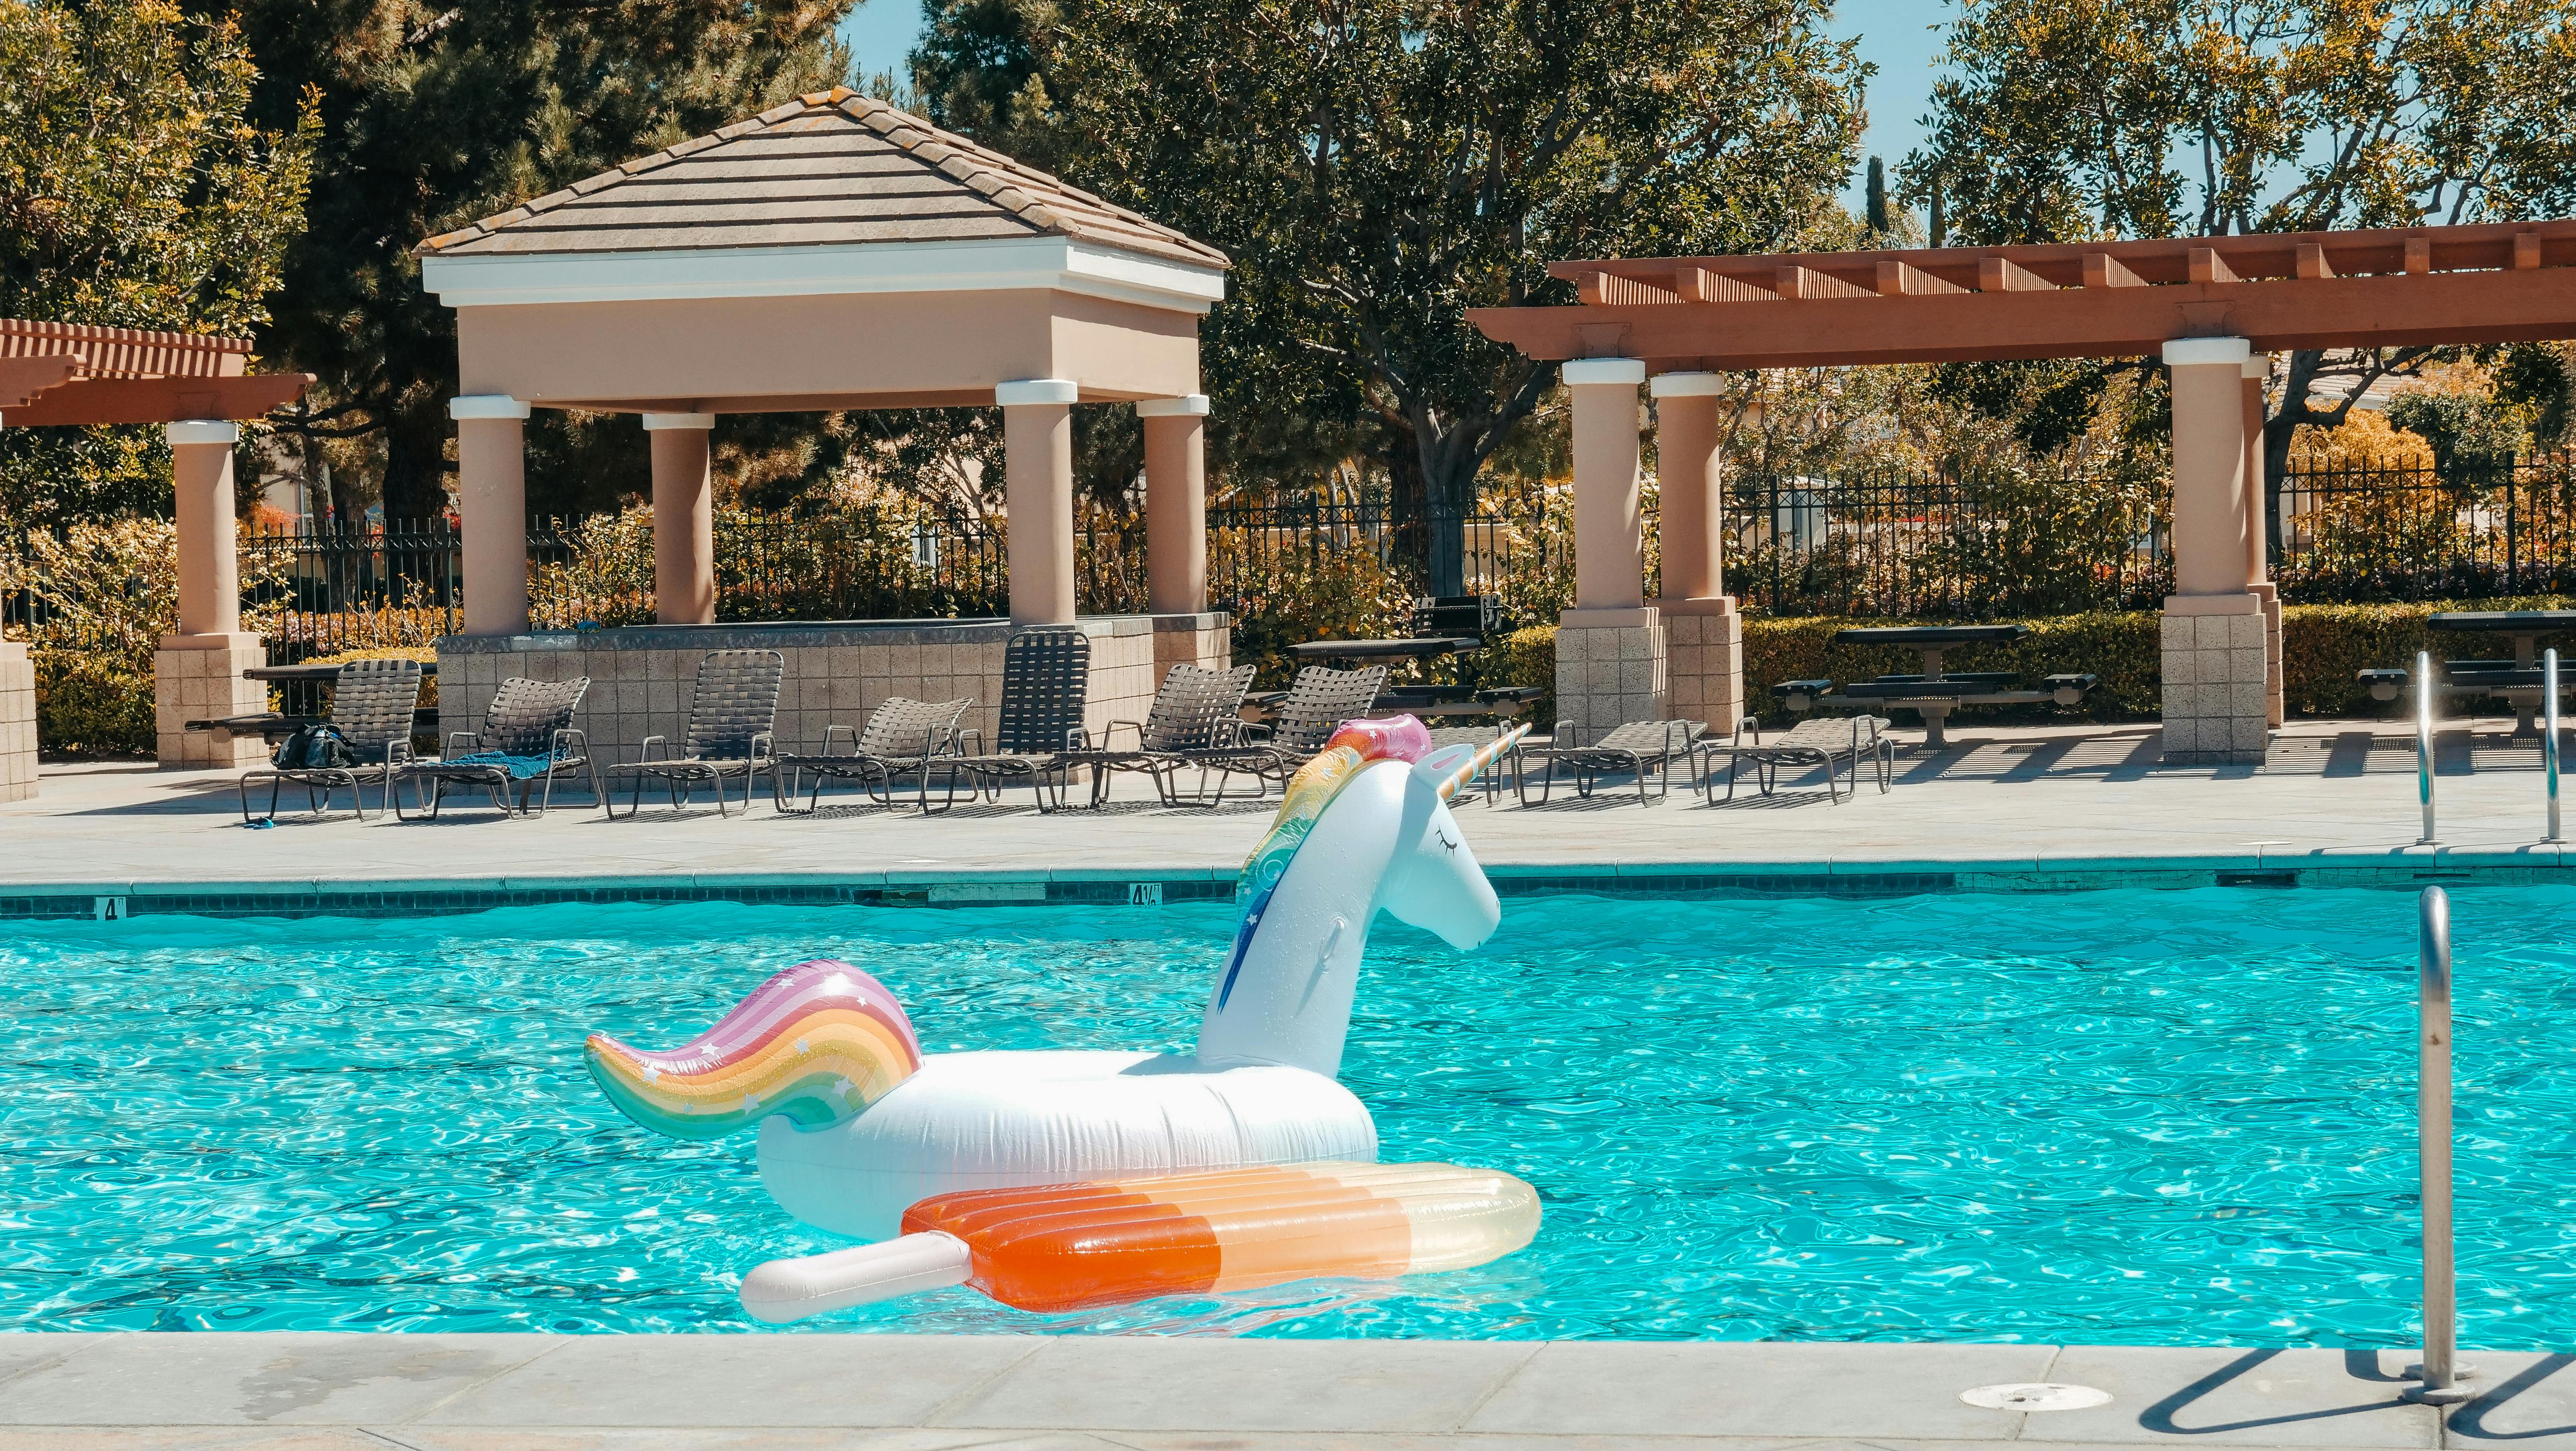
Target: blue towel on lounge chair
{"points": [[521, 768]]}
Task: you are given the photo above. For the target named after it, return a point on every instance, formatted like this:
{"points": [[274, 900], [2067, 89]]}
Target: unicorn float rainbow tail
{"points": [[817, 1043]]}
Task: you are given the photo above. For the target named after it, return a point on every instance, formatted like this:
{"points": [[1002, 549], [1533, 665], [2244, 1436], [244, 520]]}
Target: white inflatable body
{"points": [[848, 1140], [999, 1120]]}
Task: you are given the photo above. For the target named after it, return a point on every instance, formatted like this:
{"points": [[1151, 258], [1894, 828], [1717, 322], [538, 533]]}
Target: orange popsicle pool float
{"points": [[1076, 1246]]}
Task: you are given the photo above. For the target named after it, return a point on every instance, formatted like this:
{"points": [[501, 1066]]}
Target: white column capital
{"points": [[680, 422], [2190, 352], [203, 430], [1188, 405], [1580, 372], [1025, 391], [485, 405], [1686, 385]]}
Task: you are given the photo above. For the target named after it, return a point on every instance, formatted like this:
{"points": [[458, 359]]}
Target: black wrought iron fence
{"points": [[2465, 529], [321, 592]]}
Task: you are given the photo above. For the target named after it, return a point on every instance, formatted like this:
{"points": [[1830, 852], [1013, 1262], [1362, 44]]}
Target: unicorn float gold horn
{"points": [[858, 1126]]}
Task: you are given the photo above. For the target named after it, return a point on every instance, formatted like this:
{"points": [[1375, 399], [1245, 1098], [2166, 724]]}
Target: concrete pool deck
{"points": [[325, 1392], [2339, 794]]}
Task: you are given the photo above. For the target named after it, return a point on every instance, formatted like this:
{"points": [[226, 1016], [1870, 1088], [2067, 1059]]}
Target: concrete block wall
{"points": [[199, 677], [1608, 675], [1205, 640], [2217, 692], [1704, 655], [641, 679], [17, 722]]}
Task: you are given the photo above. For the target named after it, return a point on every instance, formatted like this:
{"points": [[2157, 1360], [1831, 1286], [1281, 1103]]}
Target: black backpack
{"points": [[314, 748]]}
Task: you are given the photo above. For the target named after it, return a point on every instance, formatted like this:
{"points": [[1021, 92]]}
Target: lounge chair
{"points": [[1317, 703], [1643, 747], [901, 736], [1822, 741], [1197, 710], [371, 710], [527, 740], [1046, 684], [731, 712]]}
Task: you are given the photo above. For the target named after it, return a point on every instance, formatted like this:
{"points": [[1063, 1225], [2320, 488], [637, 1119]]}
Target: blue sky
{"points": [[1896, 35]]}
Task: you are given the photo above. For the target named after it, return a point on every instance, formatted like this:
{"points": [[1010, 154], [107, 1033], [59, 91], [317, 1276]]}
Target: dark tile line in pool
{"points": [[87, 903]]}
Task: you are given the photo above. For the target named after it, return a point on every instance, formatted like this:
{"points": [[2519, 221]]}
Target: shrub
{"points": [[1529, 658], [92, 705]]}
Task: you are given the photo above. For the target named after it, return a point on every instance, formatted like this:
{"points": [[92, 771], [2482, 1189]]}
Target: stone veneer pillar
{"points": [[1611, 657], [197, 672], [2258, 537], [1037, 440], [1703, 634], [17, 722], [2216, 697], [492, 510], [684, 519]]}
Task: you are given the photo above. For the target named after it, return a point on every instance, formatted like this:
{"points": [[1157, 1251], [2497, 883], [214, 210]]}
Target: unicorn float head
{"points": [[856, 1123]]}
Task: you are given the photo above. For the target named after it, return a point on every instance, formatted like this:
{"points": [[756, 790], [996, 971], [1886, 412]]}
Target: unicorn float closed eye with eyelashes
{"points": [[1055, 1179]]}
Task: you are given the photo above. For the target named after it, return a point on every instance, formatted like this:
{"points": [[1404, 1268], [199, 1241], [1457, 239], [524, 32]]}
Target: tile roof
{"points": [[831, 168]]}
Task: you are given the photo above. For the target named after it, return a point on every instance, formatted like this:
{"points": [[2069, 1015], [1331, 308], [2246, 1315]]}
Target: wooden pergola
{"points": [[199, 387], [2210, 308]]}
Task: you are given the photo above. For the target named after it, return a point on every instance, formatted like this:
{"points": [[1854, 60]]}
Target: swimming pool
{"points": [[2106, 1117]]}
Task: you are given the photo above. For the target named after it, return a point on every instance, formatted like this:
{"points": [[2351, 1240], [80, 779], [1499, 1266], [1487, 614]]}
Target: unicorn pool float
{"points": [[1057, 1179]]}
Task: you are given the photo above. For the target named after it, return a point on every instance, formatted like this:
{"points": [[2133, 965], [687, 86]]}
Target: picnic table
{"points": [[2518, 681], [274, 726], [1934, 693], [1424, 648], [1428, 701]]}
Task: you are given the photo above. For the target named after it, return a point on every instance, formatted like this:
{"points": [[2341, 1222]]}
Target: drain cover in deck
{"points": [[2035, 1396]]}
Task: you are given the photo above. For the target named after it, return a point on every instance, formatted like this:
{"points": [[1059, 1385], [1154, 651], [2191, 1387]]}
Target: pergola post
{"points": [[2216, 699], [2258, 537], [684, 519], [1703, 635], [1037, 440], [1176, 535], [197, 672], [492, 510], [1610, 648]]}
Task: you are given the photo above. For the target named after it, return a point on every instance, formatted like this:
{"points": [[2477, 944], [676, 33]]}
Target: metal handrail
{"points": [[2549, 738], [2440, 1373], [2424, 739]]}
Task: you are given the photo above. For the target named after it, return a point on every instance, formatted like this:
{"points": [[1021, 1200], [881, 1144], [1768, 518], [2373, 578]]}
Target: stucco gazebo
{"points": [[832, 253]]}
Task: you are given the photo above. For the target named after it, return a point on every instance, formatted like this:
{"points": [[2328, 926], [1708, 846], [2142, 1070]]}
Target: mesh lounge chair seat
{"points": [[527, 740], [1197, 710], [1318, 701], [371, 707], [901, 736], [731, 712], [1046, 685], [1822, 741], [1642, 747]]}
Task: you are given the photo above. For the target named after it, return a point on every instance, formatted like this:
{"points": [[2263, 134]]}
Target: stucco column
{"points": [[492, 510], [1703, 635], [684, 519], [1175, 503], [2258, 536], [1610, 656], [197, 672], [1037, 438], [2216, 698], [201, 474]]}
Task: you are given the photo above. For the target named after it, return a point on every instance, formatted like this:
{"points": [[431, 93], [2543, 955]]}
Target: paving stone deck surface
{"points": [[925, 1393], [2335, 794]]}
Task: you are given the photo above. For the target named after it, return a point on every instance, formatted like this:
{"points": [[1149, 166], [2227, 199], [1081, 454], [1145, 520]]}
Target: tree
{"points": [[1377, 168], [2066, 120], [134, 192], [435, 115]]}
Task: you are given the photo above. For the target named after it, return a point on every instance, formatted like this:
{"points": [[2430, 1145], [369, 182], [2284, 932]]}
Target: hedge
{"points": [[92, 704], [2322, 647]]}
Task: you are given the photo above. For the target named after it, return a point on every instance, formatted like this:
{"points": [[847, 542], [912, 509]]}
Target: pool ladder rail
{"points": [[2438, 1377], [2549, 743]]}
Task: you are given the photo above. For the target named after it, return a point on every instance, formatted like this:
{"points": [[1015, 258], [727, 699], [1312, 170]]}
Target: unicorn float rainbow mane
{"points": [[856, 1123]]}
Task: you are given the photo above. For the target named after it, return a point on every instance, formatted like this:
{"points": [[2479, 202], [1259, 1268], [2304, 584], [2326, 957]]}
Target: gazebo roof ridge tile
{"points": [[1022, 196]]}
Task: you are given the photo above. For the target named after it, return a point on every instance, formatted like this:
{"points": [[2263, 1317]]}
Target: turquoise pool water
{"points": [[2101, 1117]]}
